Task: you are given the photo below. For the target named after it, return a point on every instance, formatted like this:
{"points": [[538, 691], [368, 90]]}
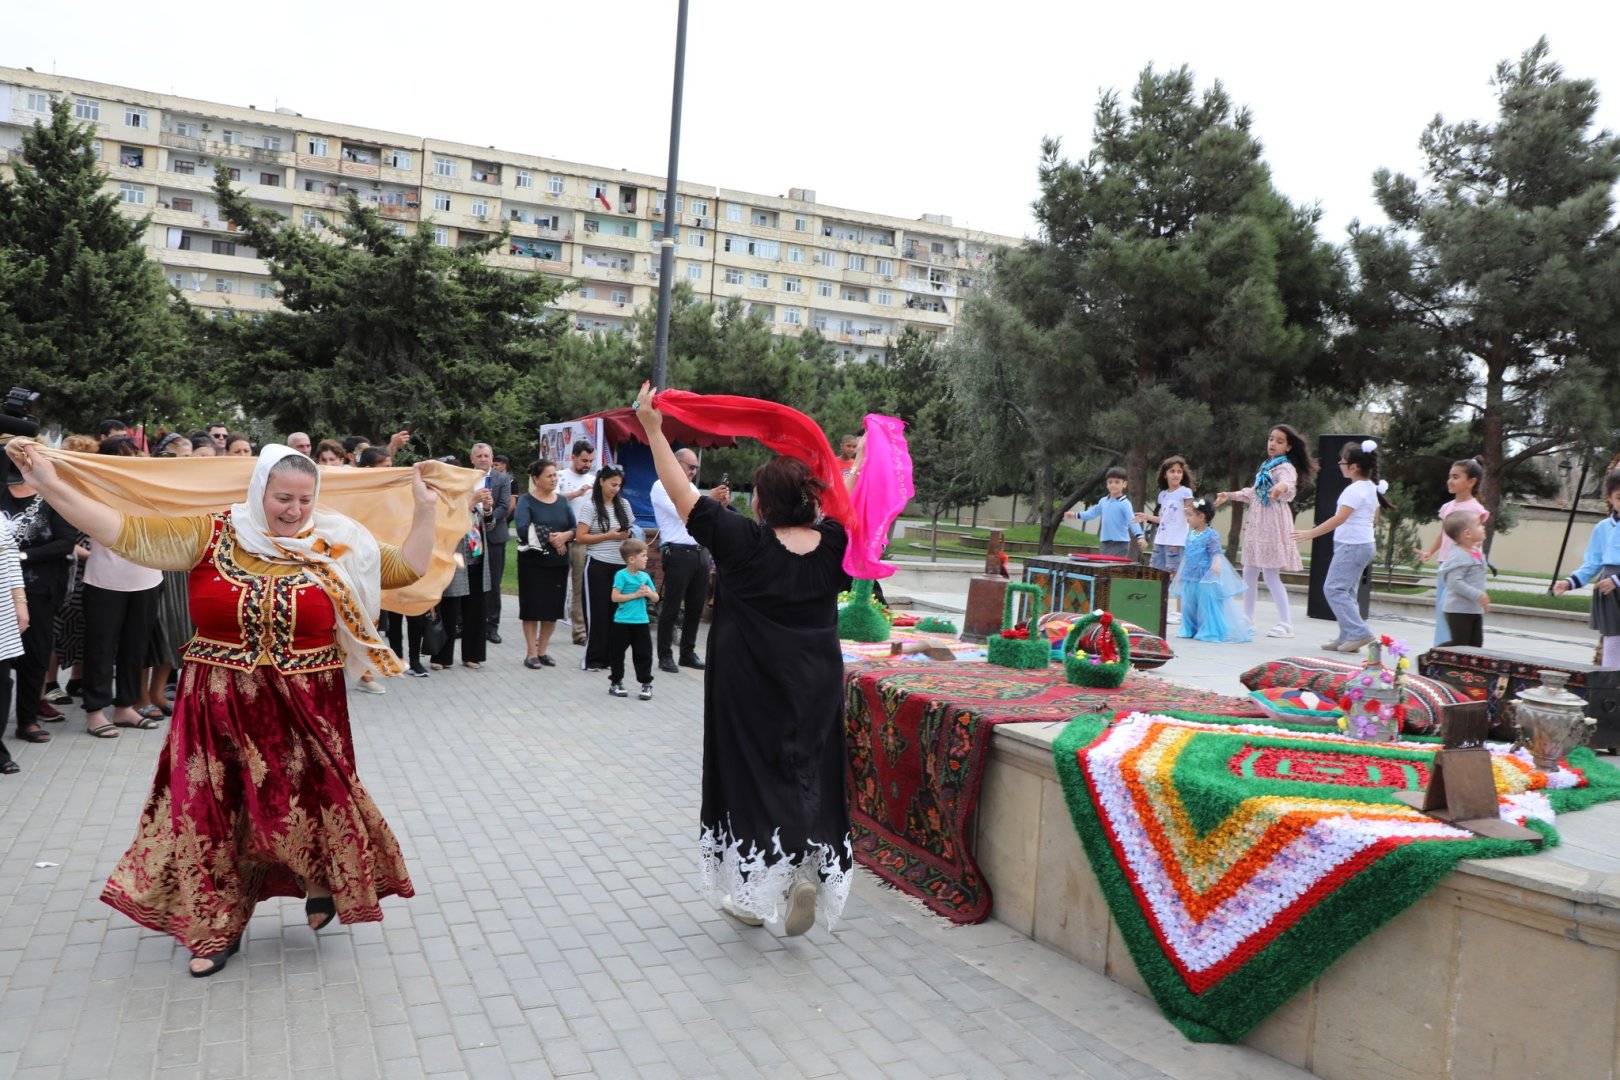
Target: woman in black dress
{"points": [[545, 527], [775, 843]]}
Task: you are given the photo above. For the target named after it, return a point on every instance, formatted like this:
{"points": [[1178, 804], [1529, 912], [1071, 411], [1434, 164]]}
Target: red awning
{"points": [[621, 425]]}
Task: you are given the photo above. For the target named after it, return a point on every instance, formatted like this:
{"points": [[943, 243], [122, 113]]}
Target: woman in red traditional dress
{"points": [[256, 793]]}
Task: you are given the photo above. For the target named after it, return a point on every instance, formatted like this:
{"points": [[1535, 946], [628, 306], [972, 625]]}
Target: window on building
{"points": [[696, 239], [936, 247], [525, 178], [441, 237], [734, 212], [231, 138], [795, 254], [824, 288], [857, 262], [131, 157], [183, 167], [132, 193], [441, 202], [848, 293], [86, 109], [480, 208], [766, 312], [619, 297], [820, 322], [313, 220], [694, 272], [224, 285], [700, 207], [270, 179], [177, 280], [186, 128], [791, 316], [316, 146], [792, 284], [234, 174], [399, 159], [554, 185], [443, 166], [271, 142], [39, 102], [224, 247], [767, 249], [758, 280], [800, 225], [885, 298], [763, 219], [886, 267], [734, 276], [135, 118], [587, 292], [183, 205], [399, 229], [264, 290]]}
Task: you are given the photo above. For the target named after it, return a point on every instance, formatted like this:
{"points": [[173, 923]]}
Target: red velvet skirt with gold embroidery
{"points": [[255, 792]]}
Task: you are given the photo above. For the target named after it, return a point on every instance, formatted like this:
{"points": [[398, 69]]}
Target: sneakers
{"points": [[417, 671], [371, 687], [1357, 645], [617, 689], [56, 695], [801, 909], [736, 913], [646, 692], [1280, 630], [1173, 618], [1332, 646]]}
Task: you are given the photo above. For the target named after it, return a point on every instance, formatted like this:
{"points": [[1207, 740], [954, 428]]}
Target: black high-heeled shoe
{"points": [[320, 905], [217, 961]]}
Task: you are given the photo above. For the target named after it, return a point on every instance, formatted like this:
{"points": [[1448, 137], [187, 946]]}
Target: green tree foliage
{"points": [[1173, 302], [379, 329], [85, 318], [1494, 291]]}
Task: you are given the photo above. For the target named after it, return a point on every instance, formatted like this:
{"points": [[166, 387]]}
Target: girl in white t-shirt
{"points": [[1352, 528], [1170, 539]]}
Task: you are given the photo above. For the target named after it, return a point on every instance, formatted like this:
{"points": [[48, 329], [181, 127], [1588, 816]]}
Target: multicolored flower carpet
{"points": [[919, 736], [1240, 860], [856, 651]]}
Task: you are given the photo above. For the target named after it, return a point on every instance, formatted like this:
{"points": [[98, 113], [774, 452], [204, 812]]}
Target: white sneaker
{"points": [[1280, 630], [801, 909], [372, 687], [741, 916], [1173, 618]]}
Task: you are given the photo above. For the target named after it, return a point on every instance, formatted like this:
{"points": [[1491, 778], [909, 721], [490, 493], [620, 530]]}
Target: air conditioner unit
{"points": [[818, 260], [483, 217], [888, 277], [205, 127], [376, 185]]}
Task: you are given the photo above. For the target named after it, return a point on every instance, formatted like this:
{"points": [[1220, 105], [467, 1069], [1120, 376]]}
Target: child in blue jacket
{"points": [[1121, 536]]}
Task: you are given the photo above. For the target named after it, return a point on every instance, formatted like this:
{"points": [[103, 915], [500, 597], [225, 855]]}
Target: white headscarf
{"points": [[338, 552]]}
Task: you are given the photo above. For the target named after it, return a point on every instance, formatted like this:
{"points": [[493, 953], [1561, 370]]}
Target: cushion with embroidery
{"points": [[1294, 704], [1326, 677]]}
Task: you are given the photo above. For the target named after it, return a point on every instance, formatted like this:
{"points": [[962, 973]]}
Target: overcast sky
{"points": [[896, 107]]}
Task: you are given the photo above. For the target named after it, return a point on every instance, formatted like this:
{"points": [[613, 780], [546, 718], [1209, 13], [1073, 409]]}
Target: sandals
{"points": [[35, 734], [146, 722], [532, 663], [217, 960], [320, 905]]}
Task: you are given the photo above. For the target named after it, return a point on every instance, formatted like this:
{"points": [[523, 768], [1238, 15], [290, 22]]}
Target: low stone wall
{"points": [[1510, 968]]}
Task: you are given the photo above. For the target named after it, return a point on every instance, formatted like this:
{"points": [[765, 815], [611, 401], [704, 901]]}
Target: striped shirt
{"points": [[10, 578]]}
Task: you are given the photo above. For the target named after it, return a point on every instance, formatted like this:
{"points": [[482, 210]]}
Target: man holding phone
{"points": [[686, 571], [496, 514]]}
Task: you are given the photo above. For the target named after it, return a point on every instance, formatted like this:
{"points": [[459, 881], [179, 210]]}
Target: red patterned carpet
{"points": [[919, 736]]}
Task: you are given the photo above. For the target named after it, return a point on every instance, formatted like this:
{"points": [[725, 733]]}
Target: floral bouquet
{"points": [[1374, 698], [1105, 667], [1015, 646]]}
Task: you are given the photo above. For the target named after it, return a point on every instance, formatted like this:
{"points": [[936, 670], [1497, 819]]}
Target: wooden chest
{"points": [[1133, 592], [1494, 677]]}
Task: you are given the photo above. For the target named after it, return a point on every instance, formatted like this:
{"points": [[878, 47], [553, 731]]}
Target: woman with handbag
{"points": [[545, 527], [604, 525]]}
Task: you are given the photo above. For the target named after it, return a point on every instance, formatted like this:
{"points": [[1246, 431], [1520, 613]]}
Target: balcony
{"points": [[409, 212]]}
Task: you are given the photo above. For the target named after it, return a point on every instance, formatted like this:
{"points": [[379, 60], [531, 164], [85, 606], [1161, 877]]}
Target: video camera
{"points": [[15, 419]]}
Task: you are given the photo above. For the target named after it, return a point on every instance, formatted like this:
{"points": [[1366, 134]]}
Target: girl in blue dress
{"points": [[1210, 590]]}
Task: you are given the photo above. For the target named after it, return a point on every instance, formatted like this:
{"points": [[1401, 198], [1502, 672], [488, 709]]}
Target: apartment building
{"points": [[857, 277]]}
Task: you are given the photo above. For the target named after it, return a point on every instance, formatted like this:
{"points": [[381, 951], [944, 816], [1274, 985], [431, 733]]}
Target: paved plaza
{"points": [[557, 928]]}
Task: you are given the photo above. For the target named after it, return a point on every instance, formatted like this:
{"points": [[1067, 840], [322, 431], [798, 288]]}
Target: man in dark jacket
{"points": [[45, 543], [496, 533]]}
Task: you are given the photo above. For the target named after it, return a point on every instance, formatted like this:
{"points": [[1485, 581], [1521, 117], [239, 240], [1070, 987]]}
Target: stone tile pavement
{"points": [[557, 929]]}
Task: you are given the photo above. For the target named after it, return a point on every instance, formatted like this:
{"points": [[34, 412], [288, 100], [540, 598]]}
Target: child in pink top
{"points": [[1463, 483]]}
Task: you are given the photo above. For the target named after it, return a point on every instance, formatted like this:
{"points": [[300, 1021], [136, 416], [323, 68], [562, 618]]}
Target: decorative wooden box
{"points": [[1494, 677], [1133, 592]]}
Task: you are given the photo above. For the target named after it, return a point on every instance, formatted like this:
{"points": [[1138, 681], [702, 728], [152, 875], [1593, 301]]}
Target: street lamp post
{"points": [[1564, 469], [666, 244]]}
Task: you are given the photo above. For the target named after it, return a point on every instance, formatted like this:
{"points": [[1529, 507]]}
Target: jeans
{"points": [[1442, 630], [1343, 583]]}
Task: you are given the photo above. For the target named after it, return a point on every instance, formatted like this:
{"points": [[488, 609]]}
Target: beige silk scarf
{"points": [[378, 499]]}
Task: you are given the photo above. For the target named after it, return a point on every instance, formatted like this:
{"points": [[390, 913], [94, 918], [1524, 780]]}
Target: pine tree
{"points": [[85, 317], [1492, 294]]}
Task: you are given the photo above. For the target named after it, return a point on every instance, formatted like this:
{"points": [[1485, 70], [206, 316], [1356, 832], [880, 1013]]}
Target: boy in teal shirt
{"points": [[632, 588]]}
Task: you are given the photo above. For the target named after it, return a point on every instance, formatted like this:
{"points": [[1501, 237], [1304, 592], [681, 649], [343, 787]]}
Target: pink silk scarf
{"points": [[880, 493]]}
